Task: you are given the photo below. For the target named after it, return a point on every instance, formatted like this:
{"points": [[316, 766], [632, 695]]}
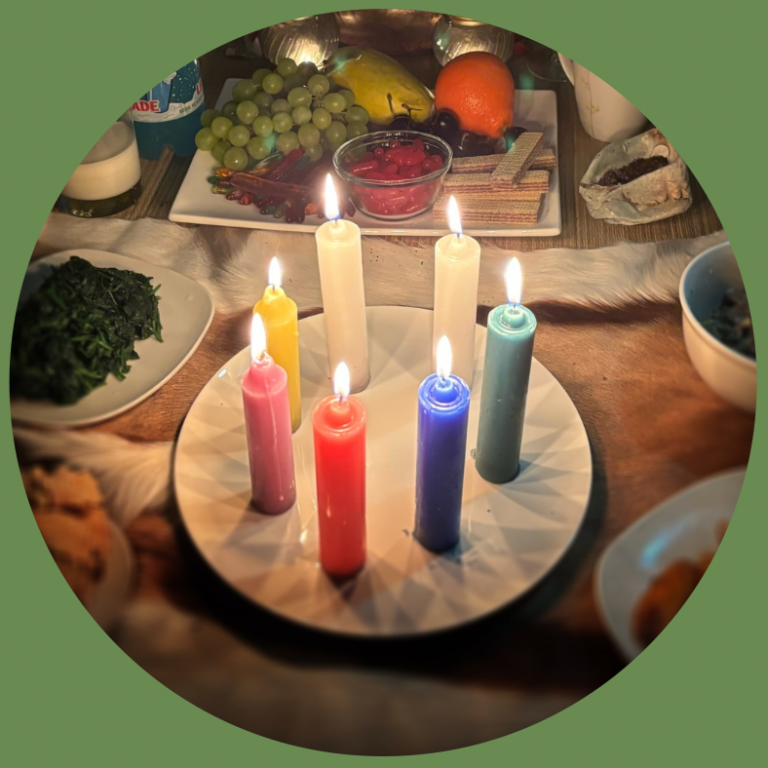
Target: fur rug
{"points": [[232, 264]]}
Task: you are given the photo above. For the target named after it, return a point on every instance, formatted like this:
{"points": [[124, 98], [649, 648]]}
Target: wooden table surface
{"points": [[161, 179]]}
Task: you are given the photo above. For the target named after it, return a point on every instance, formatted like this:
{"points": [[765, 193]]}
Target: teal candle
{"points": [[507, 369]]}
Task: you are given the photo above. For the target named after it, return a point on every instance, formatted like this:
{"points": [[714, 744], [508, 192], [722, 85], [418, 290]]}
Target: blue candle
{"points": [[441, 451], [508, 356]]}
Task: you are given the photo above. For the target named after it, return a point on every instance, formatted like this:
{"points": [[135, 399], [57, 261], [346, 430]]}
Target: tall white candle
{"points": [[340, 256], [457, 273]]}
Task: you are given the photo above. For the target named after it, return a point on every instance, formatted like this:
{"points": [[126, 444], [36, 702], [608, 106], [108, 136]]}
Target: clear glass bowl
{"points": [[391, 200]]}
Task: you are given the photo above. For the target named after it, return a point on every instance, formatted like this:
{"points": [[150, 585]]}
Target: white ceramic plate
{"points": [[196, 204], [512, 535], [186, 311], [111, 594], [684, 526]]}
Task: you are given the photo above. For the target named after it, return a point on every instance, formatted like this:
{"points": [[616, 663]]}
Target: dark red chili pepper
{"points": [[276, 173]]}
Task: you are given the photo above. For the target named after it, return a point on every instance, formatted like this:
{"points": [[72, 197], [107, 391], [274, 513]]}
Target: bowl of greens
{"points": [[79, 326], [96, 333]]}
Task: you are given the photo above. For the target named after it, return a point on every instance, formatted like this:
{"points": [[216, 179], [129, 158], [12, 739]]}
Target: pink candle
{"points": [[268, 428]]}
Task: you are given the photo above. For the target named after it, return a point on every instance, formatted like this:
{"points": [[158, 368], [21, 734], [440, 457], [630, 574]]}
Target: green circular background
{"points": [[69, 694]]}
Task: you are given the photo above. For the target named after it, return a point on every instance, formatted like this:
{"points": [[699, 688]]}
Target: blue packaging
{"points": [[169, 114]]}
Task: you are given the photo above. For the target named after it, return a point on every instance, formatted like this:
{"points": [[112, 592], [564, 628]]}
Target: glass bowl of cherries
{"points": [[393, 175]]}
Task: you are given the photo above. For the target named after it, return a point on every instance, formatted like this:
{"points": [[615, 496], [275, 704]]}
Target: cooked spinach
{"points": [[78, 327]]}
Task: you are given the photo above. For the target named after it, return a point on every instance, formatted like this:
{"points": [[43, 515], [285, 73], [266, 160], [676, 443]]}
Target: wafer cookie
{"points": [[515, 195], [481, 164], [476, 182], [495, 213], [545, 160], [519, 159]]}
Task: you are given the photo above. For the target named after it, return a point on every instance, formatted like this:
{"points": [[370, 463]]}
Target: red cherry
{"points": [[411, 171], [414, 158], [359, 169], [432, 163]]}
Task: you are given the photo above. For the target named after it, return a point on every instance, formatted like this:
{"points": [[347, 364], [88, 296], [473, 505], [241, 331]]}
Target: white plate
{"points": [[196, 204], [186, 311], [512, 535], [111, 594], [684, 526]]}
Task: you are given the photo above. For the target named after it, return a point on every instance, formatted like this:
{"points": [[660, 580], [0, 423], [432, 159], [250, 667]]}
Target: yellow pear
{"points": [[385, 88]]}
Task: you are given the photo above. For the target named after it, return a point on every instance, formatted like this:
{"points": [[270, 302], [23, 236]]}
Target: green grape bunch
{"points": [[278, 111]]}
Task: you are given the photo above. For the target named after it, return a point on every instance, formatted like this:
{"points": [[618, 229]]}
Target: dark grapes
{"points": [[402, 123], [446, 126], [472, 145]]}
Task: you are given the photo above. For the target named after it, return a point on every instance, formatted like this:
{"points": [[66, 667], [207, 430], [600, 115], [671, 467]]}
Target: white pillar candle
{"points": [[340, 257], [457, 272]]}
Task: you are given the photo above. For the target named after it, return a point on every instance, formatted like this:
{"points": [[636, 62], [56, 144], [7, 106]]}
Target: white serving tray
{"points": [[196, 204]]}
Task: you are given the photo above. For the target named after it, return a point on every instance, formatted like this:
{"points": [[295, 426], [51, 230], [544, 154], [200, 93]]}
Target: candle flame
{"points": [[444, 357], [341, 381], [331, 200], [258, 338], [454, 220], [514, 279], [275, 273]]}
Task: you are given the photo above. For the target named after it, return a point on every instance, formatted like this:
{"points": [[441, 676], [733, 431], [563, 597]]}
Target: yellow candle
{"points": [[281, 321]]}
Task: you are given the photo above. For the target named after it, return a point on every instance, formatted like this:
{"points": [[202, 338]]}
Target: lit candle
{"points": [[508, 355], [340, 256], [457, 272], [268, 428], [441, 450], [281, 321], [339, 430]]}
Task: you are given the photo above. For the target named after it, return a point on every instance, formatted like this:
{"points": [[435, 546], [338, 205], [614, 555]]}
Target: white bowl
{"points": [[731, 374]]}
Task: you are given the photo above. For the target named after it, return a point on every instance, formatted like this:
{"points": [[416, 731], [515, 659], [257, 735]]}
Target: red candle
{"points": [[267, 412], [339, 429]]}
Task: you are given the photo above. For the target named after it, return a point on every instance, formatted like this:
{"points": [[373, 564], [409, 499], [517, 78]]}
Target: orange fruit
{"points": [[478, 88]]}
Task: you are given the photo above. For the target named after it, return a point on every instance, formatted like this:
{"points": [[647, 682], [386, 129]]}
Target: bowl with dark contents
{"points": [[717, 326]]}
